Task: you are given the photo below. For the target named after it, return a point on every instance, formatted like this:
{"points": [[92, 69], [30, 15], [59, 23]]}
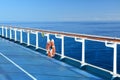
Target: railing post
{"points": [[36, 40], [114, 46], [10, 33], [62, 55], [21, 37], [48, 37], [83, 49], [6, 32], [28, 38], [15, 34], [115, 59], [62, 45], [2, 31]]}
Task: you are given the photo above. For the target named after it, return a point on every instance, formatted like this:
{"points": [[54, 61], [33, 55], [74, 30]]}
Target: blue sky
{"points": [[59, 10]]}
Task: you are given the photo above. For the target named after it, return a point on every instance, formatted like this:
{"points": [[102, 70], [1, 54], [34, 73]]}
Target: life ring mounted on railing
{"points": [[50, 47]]}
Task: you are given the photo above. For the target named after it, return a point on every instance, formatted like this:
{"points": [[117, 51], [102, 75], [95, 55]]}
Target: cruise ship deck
{"points": [[18, 62], [22, 61]]}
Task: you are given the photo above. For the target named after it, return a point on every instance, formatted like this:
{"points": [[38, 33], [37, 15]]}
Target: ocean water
{"points": [[96, 53]]}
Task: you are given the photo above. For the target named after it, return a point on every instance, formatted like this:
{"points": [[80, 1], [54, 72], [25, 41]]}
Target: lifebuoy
{"points": [[50, 47]]}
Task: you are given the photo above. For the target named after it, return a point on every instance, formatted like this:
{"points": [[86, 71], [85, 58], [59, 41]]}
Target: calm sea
{"points": [[96, 52]]}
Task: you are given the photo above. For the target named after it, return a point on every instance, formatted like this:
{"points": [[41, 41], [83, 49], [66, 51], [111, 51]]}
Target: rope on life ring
{"points": [[50, 47]]}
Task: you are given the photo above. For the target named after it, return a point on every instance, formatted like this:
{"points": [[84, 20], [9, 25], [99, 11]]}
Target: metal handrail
{"points": [[78, 37], [89, 37]]}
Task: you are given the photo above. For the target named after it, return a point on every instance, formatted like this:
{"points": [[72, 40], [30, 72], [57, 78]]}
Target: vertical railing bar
{"points": [[28, 38], [114, 46], [62, 45], [10, 33], [83, 51], [115, 59], [15, 34], [6, 32], [36, 40], [48, 38], [21, 37], [2, 31], [62, 48]]}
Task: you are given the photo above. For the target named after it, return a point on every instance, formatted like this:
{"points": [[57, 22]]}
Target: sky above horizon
{"points": [[59, 10]]}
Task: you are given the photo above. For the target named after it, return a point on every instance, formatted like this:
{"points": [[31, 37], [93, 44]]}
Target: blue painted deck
{"points": [[20, 63]]}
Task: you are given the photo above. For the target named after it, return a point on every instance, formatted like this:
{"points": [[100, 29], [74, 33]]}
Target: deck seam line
{"points": [[18, 66]]}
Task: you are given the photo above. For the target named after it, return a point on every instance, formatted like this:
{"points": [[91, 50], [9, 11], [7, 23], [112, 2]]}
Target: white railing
{"points": [[109, 42]]}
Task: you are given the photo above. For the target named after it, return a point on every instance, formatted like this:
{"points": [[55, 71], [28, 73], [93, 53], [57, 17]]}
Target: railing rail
{"points": [[78, 37], [89, 37]]}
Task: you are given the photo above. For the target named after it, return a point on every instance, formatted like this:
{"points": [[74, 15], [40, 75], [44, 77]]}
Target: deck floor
{"points": [[20, 63]]}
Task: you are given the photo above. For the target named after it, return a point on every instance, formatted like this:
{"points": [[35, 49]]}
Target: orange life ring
{"points": [[50, 47]]}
